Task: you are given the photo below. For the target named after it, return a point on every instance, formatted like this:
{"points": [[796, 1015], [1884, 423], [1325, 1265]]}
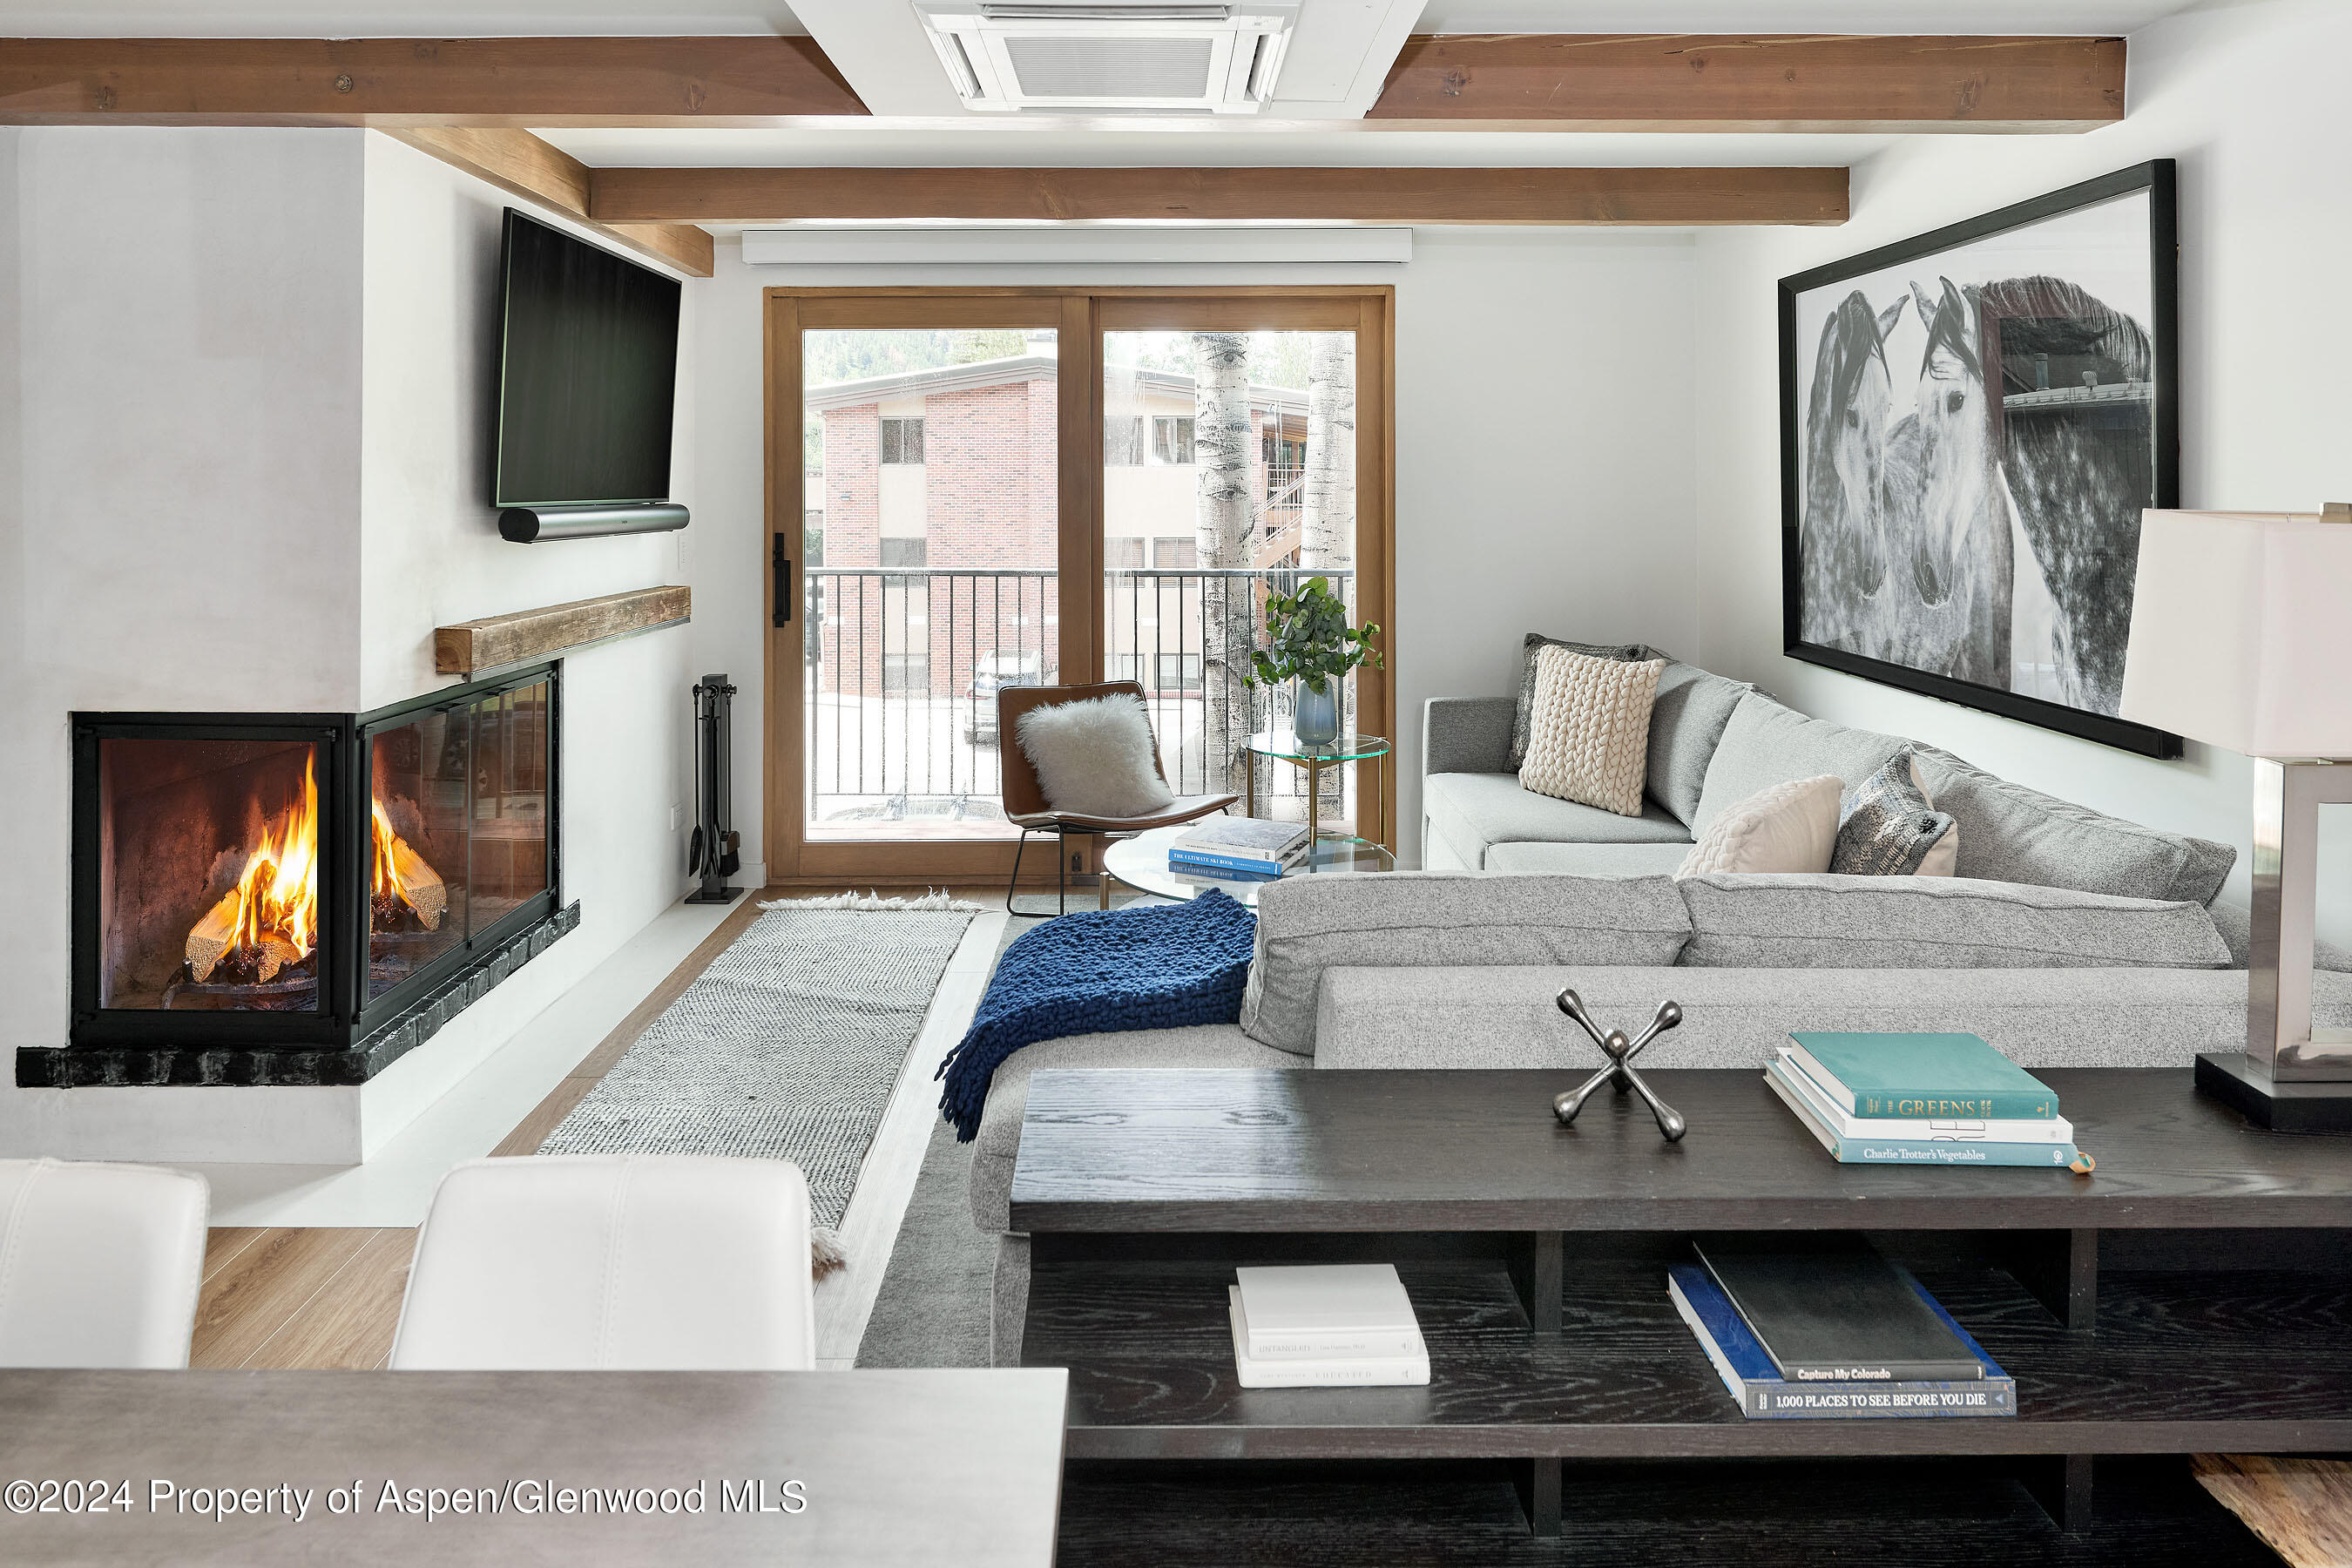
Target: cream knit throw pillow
{"points": [[1588, 735], [1789, 829]]}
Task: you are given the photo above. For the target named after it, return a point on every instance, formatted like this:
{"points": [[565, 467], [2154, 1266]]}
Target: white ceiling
{"points": [[1341, 56]]}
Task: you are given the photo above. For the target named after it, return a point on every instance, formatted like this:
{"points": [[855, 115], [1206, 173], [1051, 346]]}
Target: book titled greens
{"points": [[1921, 1077]]}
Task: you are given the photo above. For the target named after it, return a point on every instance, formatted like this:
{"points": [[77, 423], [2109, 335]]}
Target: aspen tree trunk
{"points": [[1225, 518], [1328, 521]]}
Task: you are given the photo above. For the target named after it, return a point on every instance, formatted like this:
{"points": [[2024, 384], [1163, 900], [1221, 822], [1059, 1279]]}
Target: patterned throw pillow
{"points": [[1588, 735], [1535, 642], [1784, 830], [1887, 826]]}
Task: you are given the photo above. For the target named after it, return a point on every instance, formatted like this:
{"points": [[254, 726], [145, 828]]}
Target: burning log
{"points": [[402, 873], [276, 954], [419, 885], [214, 934]]}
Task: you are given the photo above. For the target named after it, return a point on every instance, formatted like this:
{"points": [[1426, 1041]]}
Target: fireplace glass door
{"points": [[458, 823], [208, 875]]}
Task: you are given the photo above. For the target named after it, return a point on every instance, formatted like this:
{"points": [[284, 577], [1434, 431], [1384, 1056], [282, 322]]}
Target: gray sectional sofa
{"points": [[1713, 743], [2069, 938]]}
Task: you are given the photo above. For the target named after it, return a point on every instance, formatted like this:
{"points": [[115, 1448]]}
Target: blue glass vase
{"points": [[1315, 715]]}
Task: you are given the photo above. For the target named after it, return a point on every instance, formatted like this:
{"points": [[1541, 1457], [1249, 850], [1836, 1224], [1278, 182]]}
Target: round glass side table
{"points": [[1283, 746], [1141, 863]]}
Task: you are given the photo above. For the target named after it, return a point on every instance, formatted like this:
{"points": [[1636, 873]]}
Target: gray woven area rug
{"points": [[785, 1048]]}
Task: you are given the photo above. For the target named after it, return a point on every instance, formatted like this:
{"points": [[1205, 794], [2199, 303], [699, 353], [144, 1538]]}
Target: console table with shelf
{"points": [[1535, 1255]]}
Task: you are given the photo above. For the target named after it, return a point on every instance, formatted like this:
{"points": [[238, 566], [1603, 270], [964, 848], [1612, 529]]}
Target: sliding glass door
{"points": [[943, 463], [1230, 472]]}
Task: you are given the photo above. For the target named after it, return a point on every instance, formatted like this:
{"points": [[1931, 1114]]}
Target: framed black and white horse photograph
{"points": [[1971, 423]]}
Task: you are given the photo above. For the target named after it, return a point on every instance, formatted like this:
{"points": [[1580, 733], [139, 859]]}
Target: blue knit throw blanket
{"points": [[1154, 967]]}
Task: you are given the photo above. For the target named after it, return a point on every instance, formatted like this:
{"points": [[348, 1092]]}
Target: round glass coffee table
{"points": [[1283, 746], [1141, 863]]}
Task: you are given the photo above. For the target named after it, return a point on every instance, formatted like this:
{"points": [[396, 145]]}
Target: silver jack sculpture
{"points": [[1620, 1053]]}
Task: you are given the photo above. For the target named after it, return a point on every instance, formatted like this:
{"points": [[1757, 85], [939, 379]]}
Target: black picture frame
{"points": [[2158, 179]]}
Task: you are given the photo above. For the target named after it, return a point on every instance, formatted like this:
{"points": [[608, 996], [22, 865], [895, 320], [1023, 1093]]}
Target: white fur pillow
{"points": [[1790, 827], [1094, 757]]}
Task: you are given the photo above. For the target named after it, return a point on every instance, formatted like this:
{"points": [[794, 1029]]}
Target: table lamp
{"points": [[2241, 638]]}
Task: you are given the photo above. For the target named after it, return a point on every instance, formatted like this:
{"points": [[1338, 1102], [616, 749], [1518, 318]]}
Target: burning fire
{"points": [[270, 919], [402, 877]]}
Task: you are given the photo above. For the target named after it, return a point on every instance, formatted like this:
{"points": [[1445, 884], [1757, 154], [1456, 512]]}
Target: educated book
{"points": [[1921, 1077], [1408, 1366], [1216, 876], [1325, 1309], [1868, 1148], [1831, 1309], [1230, 869], [1965, 1129], [1748, 1373], [1243, 838]]}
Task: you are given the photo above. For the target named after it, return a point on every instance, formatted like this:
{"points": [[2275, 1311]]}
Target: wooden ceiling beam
{"points": [[523, 165], [1723, 83], [1666, 196], [388, 82]]}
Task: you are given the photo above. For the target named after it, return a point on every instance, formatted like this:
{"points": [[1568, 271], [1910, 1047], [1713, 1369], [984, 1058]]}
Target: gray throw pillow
{"points": [[1936, 922], [2012, 834], [1405, 920], [1765, 744], [1687, 721], [1535, 642], [1886, 826]]}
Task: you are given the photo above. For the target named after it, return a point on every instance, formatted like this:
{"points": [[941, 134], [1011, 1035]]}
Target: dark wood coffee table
{"points": [[1141, 1189]]}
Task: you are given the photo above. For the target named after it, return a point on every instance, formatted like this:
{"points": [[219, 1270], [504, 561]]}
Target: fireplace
{"points": [[299, 898]]}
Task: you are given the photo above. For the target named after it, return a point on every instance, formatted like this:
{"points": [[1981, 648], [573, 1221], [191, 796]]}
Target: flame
{"points": [[277, 893], [387, 875], [271, 916], [401, 873]]}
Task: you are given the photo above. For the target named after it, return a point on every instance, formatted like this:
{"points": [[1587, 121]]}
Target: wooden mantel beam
{"points": [[1717, 82], [552, 81], [1658, 196], [519, 162]]}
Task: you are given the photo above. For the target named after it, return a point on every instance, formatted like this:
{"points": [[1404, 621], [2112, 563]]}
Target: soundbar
{"points": [[541, 524]]}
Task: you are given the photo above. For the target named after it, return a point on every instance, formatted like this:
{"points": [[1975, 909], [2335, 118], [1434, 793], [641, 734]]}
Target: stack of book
{"points": [[1324, 1325], [1920, 1100], [1236, 848], [1831, 1331]]}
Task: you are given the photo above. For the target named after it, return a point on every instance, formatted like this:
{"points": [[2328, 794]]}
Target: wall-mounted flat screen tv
{"points": [[587, 373]]}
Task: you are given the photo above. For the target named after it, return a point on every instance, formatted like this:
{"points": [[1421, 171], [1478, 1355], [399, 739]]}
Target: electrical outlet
{"points": [[677, 817]]}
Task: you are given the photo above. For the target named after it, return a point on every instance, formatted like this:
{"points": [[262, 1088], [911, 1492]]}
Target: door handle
{"points": [[783, 565]]}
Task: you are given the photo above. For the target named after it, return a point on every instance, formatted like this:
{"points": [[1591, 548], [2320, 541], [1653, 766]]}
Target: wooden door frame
{"points": [[1079, 316]]}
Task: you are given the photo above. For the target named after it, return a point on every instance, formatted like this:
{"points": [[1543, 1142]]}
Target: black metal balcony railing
{"points": [[902, 671]]}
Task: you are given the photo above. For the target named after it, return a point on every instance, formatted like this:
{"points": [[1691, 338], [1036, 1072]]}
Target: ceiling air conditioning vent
{"points": [[1147, 59]]}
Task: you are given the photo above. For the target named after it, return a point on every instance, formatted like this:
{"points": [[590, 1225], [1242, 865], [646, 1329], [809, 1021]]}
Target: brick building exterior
{"points": [[932, 525]]}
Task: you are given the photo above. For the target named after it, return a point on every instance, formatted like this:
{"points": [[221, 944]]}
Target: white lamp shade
{"points": [[2241, 632]]}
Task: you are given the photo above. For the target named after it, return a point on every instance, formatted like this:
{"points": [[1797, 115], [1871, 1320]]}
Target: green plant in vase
{"points": [[1311, 644]]}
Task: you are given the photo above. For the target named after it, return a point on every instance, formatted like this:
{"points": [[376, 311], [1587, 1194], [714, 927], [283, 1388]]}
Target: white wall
{"points": [[1544, 407], [179, 494], [243, 468], [430, 555], [2243, 96]]}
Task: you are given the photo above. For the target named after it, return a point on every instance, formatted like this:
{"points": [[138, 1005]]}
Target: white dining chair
{"points": [[99, 1264], [641, 1262]]}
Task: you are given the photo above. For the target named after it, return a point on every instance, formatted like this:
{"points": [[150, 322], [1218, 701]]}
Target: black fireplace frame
{"points": [[349, 1037]]}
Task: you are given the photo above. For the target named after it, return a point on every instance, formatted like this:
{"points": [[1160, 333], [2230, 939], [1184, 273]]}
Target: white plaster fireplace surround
{"points": [[245, 465]]}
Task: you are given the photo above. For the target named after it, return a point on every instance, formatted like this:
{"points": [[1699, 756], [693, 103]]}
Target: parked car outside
{"points": [[994, 673]]}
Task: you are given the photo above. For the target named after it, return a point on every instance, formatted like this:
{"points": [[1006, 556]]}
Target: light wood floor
{"points": [[330, 1298]]}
